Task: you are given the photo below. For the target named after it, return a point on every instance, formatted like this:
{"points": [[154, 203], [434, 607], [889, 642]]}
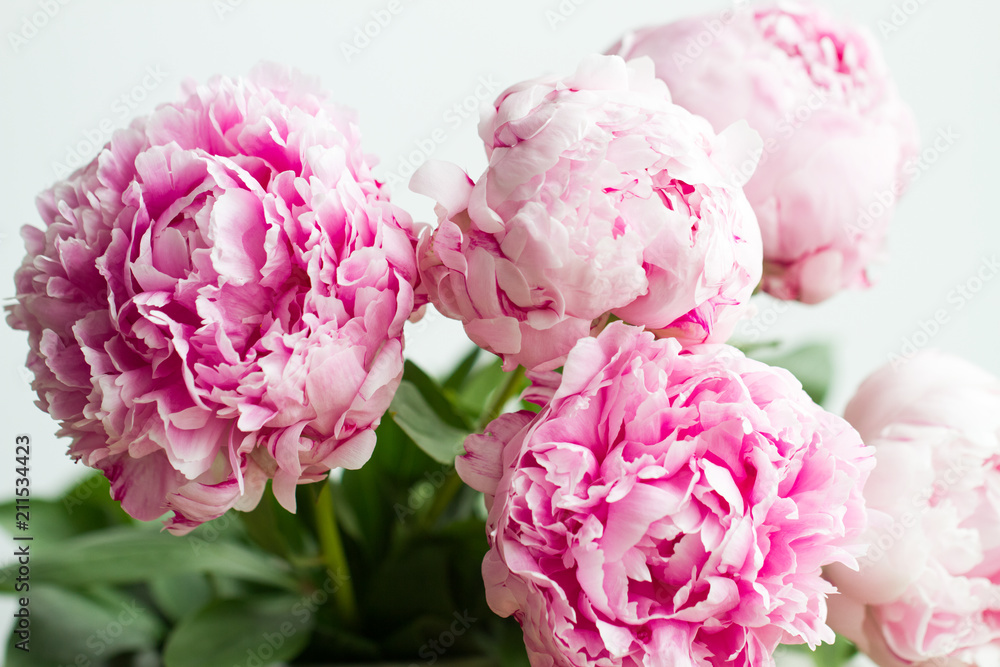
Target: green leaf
{"points": [[272, 629], [227, 527], [411, 582], [74, 627], [466, 547], [181, 594], [347, 514], [351, 648], [48, 519], [824, 655], [274, 528], [836, 654], [456, 380], [398, 458], [415, 637], [90, 505], [507, 643], [18, 658], [481, 384], [811, 364], [364, 507], [418, 588], [128, 555], [411, 411], [433, 395]]}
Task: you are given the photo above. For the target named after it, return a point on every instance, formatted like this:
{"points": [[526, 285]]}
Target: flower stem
{"points": [[445, 494], [334, 557], [506, 392]]}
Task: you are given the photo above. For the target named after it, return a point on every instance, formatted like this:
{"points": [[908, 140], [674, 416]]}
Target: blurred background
{"points": [[417, 72]]}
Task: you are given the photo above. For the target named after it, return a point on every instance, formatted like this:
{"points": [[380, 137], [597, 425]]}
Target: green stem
{"points": [[507, 392], [442, 498], [334, 557], [453, 483]]}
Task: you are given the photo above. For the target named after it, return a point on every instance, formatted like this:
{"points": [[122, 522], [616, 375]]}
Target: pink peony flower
{"points": [[836, 135], [667, 508], [928, 591], [218, 299], [600, 197]]}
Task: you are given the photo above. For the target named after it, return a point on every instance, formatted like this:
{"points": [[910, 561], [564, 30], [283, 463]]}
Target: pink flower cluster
{"points": [[601, 198], [928, 591], [836, 136], [218, 300], [667, 507]]}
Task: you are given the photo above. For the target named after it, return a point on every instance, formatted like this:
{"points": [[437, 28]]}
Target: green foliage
{"points": [[95, 622], [131, 556], [270, 629], [412, 411], [472, 390]]}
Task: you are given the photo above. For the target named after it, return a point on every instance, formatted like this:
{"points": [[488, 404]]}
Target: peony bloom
{"points": [[928, 591], [667, 508], [836, 135], [600, 197], [218, 299]]}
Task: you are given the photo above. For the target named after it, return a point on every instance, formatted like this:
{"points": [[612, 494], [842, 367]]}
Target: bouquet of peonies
{"points": [[216, 308]]}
